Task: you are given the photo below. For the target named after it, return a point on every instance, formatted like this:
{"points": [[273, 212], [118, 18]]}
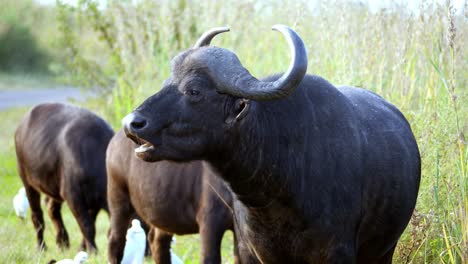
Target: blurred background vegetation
{"points": [[22, 49], [414, 57]]}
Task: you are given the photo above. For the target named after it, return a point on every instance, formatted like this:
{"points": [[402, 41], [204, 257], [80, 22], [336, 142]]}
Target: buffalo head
{"points": [[207, 95]]}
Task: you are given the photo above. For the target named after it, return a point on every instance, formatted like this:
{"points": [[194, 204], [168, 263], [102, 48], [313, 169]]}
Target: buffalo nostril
{"points": [[134, 122], [138, 123]]}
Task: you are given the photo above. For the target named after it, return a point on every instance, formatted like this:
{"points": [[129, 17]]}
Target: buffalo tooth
{"points": [[143, 148]]}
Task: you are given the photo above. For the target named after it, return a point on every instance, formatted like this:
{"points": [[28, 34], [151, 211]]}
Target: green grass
{"points": [[417, 62], [18, 239]]}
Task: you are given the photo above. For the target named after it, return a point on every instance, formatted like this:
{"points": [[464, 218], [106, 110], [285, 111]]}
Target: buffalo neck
{"points": [[281, 145], [262, 155]]}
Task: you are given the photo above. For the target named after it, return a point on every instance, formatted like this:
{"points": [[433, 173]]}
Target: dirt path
{"points": [[9, 99]]}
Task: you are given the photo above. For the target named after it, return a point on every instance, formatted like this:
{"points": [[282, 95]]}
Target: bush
{"points": [[19, 51]]}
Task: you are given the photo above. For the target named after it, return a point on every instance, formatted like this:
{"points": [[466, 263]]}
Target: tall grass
{"points": [[416, 60]]}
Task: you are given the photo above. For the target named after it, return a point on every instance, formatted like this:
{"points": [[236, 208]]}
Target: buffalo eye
{"points": [[192, 92]]}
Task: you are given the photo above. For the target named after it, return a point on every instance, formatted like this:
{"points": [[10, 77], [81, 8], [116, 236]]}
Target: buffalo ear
{"points": [[241, 108]]}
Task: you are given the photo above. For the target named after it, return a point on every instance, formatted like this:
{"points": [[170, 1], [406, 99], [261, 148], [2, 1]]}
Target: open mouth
{"points": [[143, 145]]}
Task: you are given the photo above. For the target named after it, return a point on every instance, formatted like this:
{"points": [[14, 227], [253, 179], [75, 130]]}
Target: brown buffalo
{"points": [[173, 198], [61, 152]]}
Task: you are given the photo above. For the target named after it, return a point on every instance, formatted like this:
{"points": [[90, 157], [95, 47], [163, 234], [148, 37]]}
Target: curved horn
{"points": [[206, 38], [239, 82]]}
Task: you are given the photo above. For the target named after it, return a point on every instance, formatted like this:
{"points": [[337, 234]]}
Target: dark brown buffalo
{"points": [[173, 198], [61, 152], [320, 173]]}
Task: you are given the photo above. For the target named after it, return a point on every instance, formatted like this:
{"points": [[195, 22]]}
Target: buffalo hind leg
{"points": [[160, 245], [86, 221], [85, 241], [53, 208], [34, 198], [387, 258]]}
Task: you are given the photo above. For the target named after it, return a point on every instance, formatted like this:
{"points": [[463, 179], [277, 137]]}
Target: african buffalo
{"points": [[172, 198], [61, 151], [320, 173]]}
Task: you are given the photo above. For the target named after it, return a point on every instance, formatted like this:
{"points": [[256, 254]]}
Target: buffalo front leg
{"points": [[385, 259], [121, 212], [53, 208], [147, 228], [211, 234], [388, 257], [160, 245], [341, 254]]}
